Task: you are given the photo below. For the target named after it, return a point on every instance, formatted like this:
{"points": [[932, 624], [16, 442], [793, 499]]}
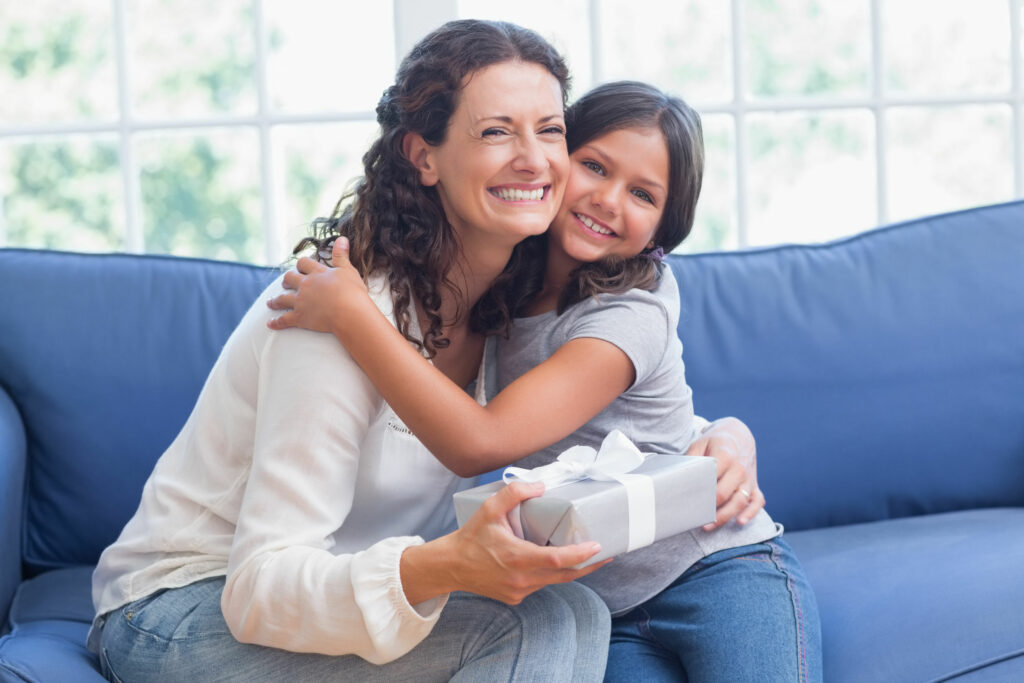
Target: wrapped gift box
{"points": [[676, 494]]}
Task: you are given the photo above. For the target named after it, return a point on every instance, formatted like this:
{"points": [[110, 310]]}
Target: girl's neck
{"points": [[556, 277]]}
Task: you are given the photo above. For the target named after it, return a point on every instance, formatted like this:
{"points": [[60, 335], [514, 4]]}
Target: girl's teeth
{"points": [[511, 195], [586, 220]]}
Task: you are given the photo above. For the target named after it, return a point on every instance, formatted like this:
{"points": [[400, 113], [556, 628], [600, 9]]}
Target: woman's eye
{"points": [[554, 130], [493, 132], [594, 166], [643, 196]]}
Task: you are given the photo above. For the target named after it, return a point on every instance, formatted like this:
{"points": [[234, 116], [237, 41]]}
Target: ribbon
{"points": [[617, 457]]}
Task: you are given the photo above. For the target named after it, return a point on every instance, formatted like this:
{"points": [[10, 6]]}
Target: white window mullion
{"points": [[1017, 90], [739, 119], [416, 18], [878, 109], [134, 236], [271, 238], [596, 64]]}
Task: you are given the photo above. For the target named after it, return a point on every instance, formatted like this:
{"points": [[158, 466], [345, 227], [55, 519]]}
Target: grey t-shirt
{"points": [[656, 413]]}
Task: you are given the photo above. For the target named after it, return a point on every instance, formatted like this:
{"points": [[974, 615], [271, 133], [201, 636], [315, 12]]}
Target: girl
{"points": [[291, 531], [594, 348]]}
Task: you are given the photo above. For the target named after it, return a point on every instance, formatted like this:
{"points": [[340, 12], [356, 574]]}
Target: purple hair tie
{"points": [[657, 254]]}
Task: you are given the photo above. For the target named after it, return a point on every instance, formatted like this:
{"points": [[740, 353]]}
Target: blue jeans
{"points": [[559, 633], [743, 614]]}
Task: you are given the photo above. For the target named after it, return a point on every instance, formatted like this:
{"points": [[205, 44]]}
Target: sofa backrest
{"points": [[883, 374], [103, 356]]}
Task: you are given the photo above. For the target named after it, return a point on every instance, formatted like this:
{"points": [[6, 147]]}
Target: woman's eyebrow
{"points": [[509, 119]]}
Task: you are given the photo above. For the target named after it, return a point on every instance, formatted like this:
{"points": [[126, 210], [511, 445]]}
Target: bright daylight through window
{"points": [[220, 130]]}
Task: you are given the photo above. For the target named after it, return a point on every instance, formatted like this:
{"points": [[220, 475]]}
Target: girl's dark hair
{"points": [[629, 104], [396, 225]]}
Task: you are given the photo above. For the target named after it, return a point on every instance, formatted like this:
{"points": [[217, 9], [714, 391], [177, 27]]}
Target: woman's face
{"points": [[502, 168], [615, 196]]}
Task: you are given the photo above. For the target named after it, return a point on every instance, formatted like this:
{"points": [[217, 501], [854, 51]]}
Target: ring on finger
{"points": [[746, 493]]}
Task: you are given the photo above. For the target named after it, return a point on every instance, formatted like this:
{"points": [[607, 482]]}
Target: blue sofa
{"points": [[882, 374]]}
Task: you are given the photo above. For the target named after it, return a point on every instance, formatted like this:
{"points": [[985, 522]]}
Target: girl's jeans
{"points": [[559, 633], [743, 614]]}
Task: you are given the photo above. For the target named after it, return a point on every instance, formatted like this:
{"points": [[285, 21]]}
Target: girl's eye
{"points": [[594, 166], [643, 196]]}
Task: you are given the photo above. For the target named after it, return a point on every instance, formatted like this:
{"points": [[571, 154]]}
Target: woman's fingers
{"points": [[754, 505], [504, 567]]}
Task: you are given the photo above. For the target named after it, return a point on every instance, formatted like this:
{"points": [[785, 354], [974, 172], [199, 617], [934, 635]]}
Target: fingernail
{"points": [[708, 527]]}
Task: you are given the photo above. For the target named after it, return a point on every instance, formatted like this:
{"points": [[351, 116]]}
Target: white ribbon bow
{"points": [[617, 457]]}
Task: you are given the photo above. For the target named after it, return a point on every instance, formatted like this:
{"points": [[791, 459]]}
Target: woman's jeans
{"points": [[559, 633], [744, 614]]}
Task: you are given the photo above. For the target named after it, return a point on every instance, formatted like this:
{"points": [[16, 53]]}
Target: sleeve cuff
{"points": [[395, 625]]}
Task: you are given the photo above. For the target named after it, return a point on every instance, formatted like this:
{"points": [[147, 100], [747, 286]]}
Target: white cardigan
{"points": [[296, 480]]}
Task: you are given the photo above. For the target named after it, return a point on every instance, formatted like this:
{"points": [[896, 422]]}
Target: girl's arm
{"points": [[540, 408]]}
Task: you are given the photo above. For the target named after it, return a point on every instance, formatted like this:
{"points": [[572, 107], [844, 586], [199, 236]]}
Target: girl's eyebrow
{"points": [[608, 161]]}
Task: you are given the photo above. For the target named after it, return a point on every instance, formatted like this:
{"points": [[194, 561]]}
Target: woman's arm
{"points": [[730, 442], [543, 406], [285, 587]]}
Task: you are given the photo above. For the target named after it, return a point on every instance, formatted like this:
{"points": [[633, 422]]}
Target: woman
{"points": [[294, 529], [595, 349]]}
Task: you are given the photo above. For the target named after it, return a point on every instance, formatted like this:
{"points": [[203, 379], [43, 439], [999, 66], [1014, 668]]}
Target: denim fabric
{"points": [[559, 633], [743, 614]]}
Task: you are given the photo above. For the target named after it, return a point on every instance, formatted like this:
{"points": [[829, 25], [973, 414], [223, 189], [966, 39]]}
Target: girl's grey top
{"points": [[656, 413]]}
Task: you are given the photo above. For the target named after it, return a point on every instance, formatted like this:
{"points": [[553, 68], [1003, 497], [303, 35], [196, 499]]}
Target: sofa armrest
{"points": [[13, 454]]}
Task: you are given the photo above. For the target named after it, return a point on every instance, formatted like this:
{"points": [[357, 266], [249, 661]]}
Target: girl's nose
{"points": [[606, 198]]}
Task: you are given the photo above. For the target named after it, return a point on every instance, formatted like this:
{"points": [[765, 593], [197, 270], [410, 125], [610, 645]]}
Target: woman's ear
{"points": [[420, 154]]}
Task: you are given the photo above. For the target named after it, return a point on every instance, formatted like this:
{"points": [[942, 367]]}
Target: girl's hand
{"points": [[737, 494], [325, 299], [486, 558]]}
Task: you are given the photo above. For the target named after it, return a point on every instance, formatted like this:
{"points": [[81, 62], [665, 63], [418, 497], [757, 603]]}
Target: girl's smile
{"points": [[615, 196]]}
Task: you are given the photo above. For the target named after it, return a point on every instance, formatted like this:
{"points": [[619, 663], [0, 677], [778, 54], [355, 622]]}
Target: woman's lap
{"points": [[181, 635], [740, 614]]}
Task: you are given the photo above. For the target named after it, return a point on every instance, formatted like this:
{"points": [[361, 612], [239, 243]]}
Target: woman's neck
{"points": [[472, 274]]}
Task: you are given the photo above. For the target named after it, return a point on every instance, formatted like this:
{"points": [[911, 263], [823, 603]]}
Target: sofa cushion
{"points": [[49, 620], [882, 374], [103, 376], [948, 589]]}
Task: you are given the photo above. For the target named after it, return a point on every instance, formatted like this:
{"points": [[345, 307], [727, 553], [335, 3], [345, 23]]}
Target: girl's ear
{"points": [[420, 155]]}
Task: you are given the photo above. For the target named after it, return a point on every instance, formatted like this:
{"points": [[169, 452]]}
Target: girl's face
{"points": [[615, 196], [502, 168]]}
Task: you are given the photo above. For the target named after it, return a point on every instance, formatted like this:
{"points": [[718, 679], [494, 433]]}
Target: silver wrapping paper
{"points": [[590, 510]]}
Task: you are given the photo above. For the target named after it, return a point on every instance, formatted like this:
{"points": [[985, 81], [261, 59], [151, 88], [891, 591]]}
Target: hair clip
{"points": [[387, 110], [657, 254]]}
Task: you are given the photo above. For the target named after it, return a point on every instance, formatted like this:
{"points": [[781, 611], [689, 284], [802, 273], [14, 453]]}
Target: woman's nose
{"points": [[530, 155]]}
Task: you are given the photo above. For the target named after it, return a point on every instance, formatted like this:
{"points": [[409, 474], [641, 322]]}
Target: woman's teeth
{"points": [[511, 195], [599, 229]]}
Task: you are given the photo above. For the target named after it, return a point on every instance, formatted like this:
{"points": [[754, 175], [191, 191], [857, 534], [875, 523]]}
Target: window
{"points": [[220, 130]]}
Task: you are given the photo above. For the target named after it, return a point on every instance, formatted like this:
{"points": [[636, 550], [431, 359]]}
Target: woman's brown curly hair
{"points": [[397, 226]]}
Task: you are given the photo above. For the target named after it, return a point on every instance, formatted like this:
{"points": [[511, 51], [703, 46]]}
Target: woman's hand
{"points": [[737, 494], [486, 558], [325, 299]]}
